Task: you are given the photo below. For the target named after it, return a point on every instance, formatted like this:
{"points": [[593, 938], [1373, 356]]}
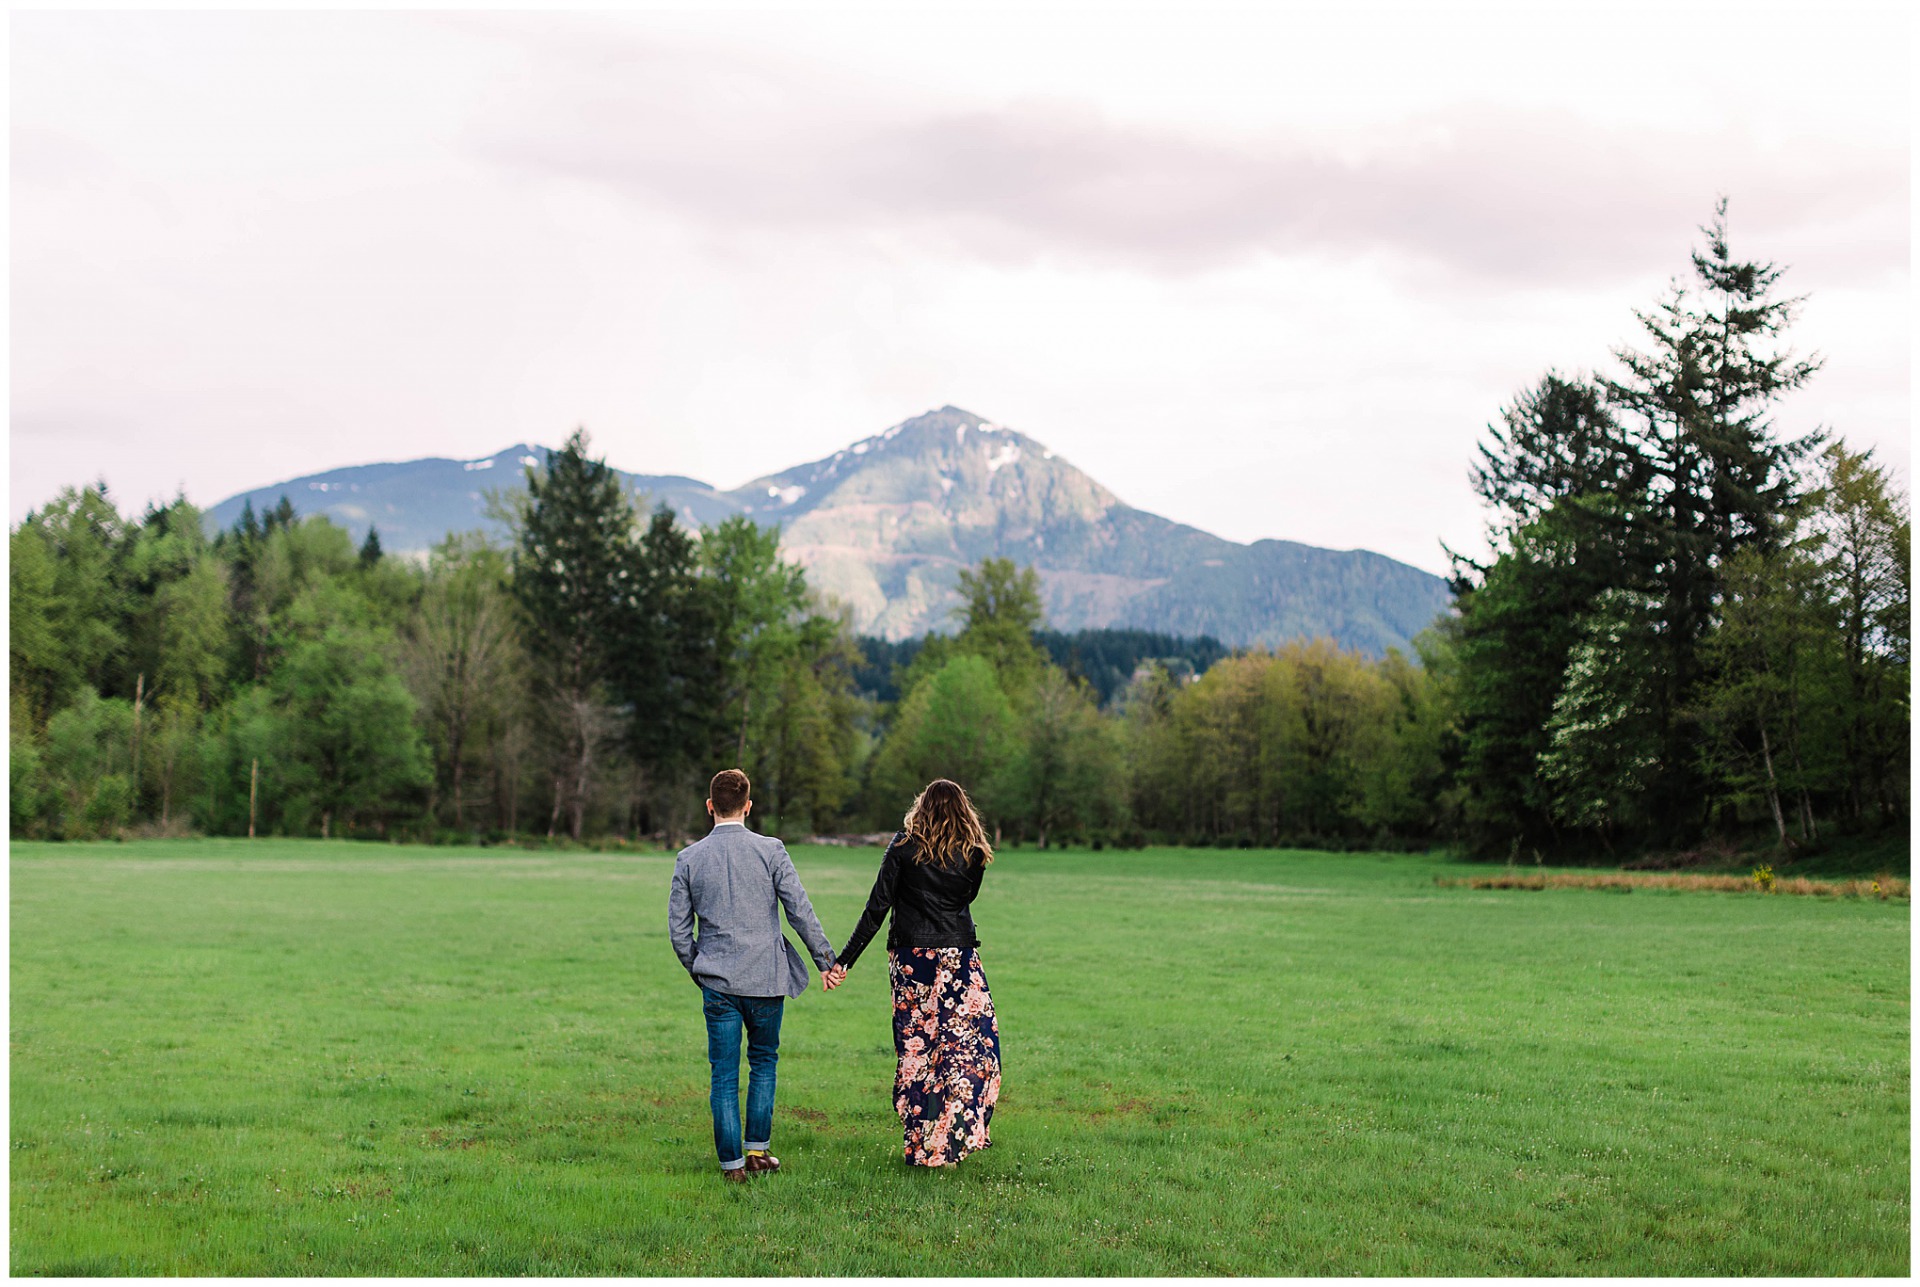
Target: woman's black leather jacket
{"points": [[929, 902]]}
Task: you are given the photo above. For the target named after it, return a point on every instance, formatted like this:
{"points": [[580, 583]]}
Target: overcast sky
{"points": [[1266, 271]]}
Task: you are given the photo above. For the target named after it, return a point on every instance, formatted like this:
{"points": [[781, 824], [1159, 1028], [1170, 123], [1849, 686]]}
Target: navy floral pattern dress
{"points": [[948, 1043]]}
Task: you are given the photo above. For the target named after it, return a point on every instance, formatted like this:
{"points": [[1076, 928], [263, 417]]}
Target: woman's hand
{"points": [[834, 977]]}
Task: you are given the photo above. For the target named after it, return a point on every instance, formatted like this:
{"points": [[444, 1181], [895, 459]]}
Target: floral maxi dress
{"points": [[948, 1043]]}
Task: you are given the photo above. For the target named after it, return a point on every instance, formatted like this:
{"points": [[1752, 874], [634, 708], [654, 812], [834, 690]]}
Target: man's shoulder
{"points": [[735, 839], [695, 848]]}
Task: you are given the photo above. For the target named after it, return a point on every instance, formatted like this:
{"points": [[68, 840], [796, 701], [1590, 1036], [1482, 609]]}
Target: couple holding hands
{"points": [[733, 884]]}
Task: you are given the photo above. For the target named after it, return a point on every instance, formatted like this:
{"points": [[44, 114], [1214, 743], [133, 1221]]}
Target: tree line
{"points": [[1688, 626], [582, 678]]}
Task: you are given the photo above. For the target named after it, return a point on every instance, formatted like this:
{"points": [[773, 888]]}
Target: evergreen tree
{"points": [[370, 548], [669, 672], [1555, 442], [1516, 631], [574, 580], [1699, 399]]}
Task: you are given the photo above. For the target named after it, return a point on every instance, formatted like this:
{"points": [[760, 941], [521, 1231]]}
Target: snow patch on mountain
{"points": [[996, 461]]}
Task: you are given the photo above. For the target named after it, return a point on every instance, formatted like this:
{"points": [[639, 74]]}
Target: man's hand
{"points": [[833, 977]]}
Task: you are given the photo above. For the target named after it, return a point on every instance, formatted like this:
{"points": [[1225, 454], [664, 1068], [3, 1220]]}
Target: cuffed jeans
{"points": [[727, 1015]]}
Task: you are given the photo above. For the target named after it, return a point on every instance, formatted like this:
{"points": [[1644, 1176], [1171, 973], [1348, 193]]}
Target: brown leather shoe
{"points": [[766, 1163], [735, 1175]]}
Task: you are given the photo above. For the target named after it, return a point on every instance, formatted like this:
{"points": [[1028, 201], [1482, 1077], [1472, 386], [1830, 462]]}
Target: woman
{"points": [[944, 1030]]}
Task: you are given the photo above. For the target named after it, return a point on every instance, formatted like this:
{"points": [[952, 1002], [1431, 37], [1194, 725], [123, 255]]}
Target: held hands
{"points": [[833, 977]]}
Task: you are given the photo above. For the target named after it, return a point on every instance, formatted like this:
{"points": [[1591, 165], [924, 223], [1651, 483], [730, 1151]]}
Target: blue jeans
{"points": [[726, 1016]]}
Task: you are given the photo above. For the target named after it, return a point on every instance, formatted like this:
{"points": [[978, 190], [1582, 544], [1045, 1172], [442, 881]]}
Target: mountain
{"points": [[886, 524], [417, 502]]}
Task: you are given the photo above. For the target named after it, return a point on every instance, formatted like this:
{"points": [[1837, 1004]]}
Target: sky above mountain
{"points": [[1268, 273]]}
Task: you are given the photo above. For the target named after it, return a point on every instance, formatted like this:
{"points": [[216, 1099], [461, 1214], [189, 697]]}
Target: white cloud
{"points": [[1315, 251]]}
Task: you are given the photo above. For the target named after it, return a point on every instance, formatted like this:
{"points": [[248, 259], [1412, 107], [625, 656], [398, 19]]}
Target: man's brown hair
{"points": [[729, 791]]}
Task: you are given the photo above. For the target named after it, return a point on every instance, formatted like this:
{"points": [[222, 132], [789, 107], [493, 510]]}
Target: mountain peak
{"points": [[886, 524], [950, 461]]}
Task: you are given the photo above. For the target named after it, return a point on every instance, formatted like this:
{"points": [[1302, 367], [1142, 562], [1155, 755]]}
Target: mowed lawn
{"points": [[303, 1057]]}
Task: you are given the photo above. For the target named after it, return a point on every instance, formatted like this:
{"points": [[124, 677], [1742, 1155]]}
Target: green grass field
{"points": [[301, 1057]]}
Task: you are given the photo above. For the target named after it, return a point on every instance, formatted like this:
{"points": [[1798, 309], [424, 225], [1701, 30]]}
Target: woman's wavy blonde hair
{"points": [[945, 827]]}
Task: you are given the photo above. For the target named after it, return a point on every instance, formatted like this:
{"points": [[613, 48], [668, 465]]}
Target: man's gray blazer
{"points": [[735, 883]]}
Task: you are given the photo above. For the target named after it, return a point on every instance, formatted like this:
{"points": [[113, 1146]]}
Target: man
{"points": [[734, 883]]}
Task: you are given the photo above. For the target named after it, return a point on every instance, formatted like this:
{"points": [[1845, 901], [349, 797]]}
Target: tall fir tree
{"points": [[574, 580], [1699, 399]]}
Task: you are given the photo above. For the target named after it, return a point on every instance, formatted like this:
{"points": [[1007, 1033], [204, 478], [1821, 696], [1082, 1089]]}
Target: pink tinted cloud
{"points": [[1499, 195]]}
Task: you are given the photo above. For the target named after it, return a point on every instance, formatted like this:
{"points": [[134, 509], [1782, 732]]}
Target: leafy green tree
{"points": [[1067, 775], [1002, 610], [461, 659], [26, 783], [246, 749], [1406, 787], [1603, 739], [162, 549], [39, 670], [1764, 661], [806, 752], [757, 601], [353, 752], [170, 754], [957, 724], [1348, 716], [1864, 536], [1223, 753], [86, 611], [191, 614], [88, 765]]}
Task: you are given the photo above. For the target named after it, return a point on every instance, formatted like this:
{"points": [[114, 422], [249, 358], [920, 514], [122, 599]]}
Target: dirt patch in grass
{"points": [[1886, 887]]}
